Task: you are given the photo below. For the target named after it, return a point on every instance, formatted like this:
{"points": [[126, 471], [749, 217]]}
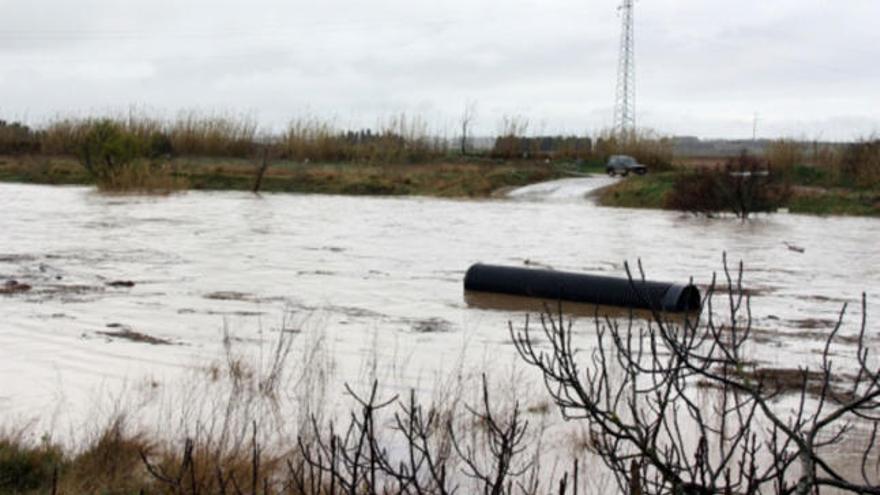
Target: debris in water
{"points": [[324, 273], [796, 249], [13, 287], [432, 325], [530, 262], [121, 284], [230, 296], [16, 258], [814, 323], [127, 333], [225, 295]]}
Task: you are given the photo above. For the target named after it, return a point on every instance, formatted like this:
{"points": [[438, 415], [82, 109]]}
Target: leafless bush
{"points": [[429, 452], [638, 392], [744, 186], [511, 141]]}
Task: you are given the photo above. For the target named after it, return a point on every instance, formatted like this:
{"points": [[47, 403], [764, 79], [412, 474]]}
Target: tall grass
{"points": [[404, 139], [16, 138], [646, 146], [785, 154], [191, 134], [514, 142], [854, 164], [194, 134], [400, 139], [143, 176], [861, 163]]}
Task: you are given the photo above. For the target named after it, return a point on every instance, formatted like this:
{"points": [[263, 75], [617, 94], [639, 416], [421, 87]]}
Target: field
{"points": [[447, 178], [809, 187]]}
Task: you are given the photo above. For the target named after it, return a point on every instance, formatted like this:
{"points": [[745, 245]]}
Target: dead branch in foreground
{"points": [[639, 391]]}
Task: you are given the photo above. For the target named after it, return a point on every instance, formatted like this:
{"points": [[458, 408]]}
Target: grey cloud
{"points": [[704, 66]]}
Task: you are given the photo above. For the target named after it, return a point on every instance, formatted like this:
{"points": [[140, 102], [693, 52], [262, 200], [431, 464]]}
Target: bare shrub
{"points": [[745, 185], [639, 388], [468, 115], [511, 142], [429, 451]]}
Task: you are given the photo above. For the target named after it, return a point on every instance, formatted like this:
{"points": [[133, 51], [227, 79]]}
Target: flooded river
{"points": [[382, 276]]}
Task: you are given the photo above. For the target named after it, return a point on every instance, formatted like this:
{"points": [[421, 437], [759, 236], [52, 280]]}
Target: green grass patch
{"points": [[43, 170], [837, 202], [653, 190], [803, 175], [647, 191]]}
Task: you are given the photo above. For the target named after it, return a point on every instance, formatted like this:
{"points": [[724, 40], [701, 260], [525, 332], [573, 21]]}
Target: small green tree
{"points": [[107, 149]]}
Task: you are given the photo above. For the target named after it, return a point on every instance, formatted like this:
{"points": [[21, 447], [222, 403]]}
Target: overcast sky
{"points": [[808, 68]]}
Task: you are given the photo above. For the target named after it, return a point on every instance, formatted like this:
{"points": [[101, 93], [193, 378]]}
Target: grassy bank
{"points": [[136, 152], [646, 191], [827, 198], [448, 178]]}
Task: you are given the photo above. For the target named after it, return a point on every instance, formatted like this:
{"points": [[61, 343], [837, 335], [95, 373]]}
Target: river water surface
{"points": [[381, 275]]}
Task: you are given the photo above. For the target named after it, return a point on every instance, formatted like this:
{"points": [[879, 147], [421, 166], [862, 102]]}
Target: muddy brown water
{"points": [[380, 275]]}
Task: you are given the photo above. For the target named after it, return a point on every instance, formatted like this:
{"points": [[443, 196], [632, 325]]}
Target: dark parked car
{"points": [[623, 165]]}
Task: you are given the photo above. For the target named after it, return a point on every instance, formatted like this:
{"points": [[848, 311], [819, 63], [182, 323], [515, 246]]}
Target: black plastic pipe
{"points": [[583, 288]]}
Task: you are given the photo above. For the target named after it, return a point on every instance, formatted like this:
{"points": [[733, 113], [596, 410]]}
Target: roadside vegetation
{"points": [[826, 180], [400, 156]]}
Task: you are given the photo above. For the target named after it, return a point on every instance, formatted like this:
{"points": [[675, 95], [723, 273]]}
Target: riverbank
{"points": [[455, 177], [654, 190]]}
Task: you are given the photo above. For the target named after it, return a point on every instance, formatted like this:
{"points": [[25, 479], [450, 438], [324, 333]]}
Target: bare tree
{"points": [[640, 392], [265, 152], [467, 118]]}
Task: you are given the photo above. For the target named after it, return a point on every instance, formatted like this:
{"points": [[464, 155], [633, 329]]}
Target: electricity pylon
{"points": [[625, 103]]}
